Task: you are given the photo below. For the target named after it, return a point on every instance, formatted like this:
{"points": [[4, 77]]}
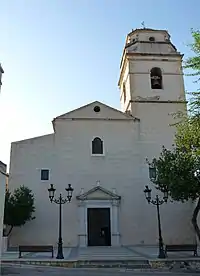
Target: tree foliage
{"points": [[193, 64], [188, 129], [175, 169], [176, 173], [194, 61], [187, 137], [19, 207]]}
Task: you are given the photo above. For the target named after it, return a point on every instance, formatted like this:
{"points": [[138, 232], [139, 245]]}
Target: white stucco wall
{"points": [[155, 108], [139, 57], [68, 156], [173, 85], [67, 153], [2, 199]]}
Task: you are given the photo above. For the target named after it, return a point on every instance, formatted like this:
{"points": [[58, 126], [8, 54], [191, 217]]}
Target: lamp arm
{"points": [[64, 200], [60, 200], [54, 200], [157, 202]]}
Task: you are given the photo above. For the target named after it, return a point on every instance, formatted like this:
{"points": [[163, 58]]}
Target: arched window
{"points": [[97, 146], [156, 78]]}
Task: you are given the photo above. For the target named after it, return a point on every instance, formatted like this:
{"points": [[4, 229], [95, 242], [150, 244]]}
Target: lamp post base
{"points": [[161, 254], [60, 257], [60, 252]]}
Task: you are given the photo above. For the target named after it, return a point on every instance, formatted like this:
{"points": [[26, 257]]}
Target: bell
{"points": [[156, 82]]}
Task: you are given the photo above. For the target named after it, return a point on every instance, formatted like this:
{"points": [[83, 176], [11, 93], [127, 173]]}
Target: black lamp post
{"points": [[157, 201], [60, 200]]}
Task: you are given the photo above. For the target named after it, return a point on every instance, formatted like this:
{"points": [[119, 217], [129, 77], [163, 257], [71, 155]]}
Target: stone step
{"points": [[107, 258], [108, 253], [126, 266], [132, 264], [139, 261], [81, 264]]}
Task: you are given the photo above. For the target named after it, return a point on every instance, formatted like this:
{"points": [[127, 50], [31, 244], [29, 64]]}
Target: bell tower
{"points": [[151, 80]]}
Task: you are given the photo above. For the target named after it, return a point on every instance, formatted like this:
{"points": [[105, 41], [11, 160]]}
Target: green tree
{"points": [[187, 137], [193, 64], [19, 207], [188, 128], [176, 168], [176, 173]]}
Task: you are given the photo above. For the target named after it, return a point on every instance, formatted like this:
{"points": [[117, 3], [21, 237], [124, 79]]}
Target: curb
{"points": [[79, 263], [126, 265], [55, 263]]}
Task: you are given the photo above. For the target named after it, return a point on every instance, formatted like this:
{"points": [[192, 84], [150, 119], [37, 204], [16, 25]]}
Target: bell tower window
{"points": [[156, 78]]}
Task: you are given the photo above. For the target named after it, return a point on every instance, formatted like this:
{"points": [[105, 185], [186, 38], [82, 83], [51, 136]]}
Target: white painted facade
{"points": [[3, 178], [129, 136]]}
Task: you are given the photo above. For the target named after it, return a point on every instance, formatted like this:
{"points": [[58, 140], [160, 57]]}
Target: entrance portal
{"points": [[99, 233]]}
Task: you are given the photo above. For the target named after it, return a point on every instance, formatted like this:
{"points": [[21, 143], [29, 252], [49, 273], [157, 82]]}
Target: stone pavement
{"points": [[101, 253], [130, 257], [50, 271], [151, 253]]}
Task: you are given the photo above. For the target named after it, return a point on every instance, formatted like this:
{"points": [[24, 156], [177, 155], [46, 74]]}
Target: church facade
{"points": [[102, 153], [3, 180]]}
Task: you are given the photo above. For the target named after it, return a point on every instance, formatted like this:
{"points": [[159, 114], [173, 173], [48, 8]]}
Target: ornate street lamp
{"points": [[157, 201], [60, 200]]}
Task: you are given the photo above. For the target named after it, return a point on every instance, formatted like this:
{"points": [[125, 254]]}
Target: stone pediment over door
{"points": [[98, 193]]}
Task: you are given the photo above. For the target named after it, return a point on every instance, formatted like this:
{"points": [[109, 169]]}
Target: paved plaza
{"points": [[134, 260], [100, 253], [49, 271]]}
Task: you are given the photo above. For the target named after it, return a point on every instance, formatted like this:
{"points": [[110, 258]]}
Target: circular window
{"points": [[152, 38], [97, 108]]}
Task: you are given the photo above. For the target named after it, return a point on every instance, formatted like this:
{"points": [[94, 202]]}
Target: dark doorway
{"points": [[98, 226]]}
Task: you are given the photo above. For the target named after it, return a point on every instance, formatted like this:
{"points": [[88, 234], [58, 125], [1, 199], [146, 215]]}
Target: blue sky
{"points": [[60, 54]]}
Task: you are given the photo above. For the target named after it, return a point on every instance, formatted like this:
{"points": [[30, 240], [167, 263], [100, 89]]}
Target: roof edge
{"points": [[130, 117]]}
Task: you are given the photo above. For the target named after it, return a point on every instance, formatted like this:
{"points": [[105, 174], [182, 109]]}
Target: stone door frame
{"points": [[112, 203]]}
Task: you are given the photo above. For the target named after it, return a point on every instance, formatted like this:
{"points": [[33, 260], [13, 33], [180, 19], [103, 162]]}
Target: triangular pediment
{"points": [[98, 193], [96, 110]]}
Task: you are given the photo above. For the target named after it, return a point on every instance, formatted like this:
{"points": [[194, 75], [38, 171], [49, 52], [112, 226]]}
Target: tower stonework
{"points": [[151, 83]]}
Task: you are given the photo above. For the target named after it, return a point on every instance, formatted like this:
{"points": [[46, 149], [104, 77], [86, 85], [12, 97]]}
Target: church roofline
{"points": [[2, 163], [135, 42], [147, 30], [31, 139], [150, 42], [3, 168], [6, 174], [126, 116]]}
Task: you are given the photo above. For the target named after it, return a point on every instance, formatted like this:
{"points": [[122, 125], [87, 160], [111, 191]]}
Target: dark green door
{"points": [[99, 233]]}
